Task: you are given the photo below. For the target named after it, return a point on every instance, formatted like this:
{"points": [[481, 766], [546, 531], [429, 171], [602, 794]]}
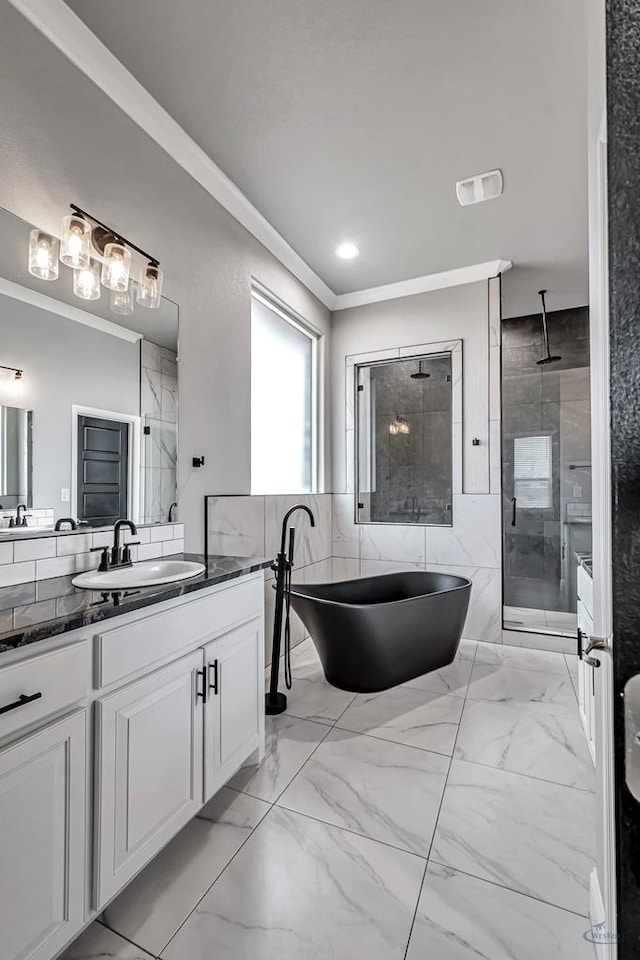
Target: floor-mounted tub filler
{"points": [[378, 632]]}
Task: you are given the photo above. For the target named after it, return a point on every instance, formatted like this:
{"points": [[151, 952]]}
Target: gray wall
{"points": [[63, 140], [64, 363]]}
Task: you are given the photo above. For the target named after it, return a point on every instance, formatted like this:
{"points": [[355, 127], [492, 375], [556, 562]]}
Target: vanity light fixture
{"points": [[43, 255], [13, 386], [86, 281], [75, 247], [97, 254], [121, 301]]}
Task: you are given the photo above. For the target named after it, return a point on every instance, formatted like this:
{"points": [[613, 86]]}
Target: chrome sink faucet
{"points": [[118, 555]]}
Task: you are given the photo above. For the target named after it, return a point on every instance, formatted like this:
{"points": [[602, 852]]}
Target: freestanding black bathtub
{"points": [[375, 633]]}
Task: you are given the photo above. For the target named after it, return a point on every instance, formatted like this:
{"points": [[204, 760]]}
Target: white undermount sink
{"points": [[147, 573]]}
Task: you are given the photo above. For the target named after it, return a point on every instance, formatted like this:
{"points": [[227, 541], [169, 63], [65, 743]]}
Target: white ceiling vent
{"points": [[484, 186]]}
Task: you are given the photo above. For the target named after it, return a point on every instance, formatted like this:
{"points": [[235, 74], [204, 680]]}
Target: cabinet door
{"points": [[42, 840], [148, 769], [234, 714]]}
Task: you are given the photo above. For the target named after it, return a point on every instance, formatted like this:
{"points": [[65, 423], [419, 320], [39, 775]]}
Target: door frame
{"points": [[603, 879], [135, 433]]}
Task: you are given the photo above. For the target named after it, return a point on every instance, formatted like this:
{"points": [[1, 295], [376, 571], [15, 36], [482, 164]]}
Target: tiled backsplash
{"points": [[37, 518], [30, 559]]}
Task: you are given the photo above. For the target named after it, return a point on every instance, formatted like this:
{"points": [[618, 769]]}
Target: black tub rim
{"points": [[296, 589]]}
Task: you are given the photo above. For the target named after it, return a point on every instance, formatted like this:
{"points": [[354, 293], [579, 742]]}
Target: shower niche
{"points": [[404, 440], [546, 467]]}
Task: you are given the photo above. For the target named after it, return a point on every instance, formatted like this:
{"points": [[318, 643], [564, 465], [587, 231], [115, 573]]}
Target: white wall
{"points": [[64, 363], [63, 141], [472, 546]]}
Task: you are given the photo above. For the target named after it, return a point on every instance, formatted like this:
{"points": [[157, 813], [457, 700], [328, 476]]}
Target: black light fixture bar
{"points": [[117, 236], [16, 370]]}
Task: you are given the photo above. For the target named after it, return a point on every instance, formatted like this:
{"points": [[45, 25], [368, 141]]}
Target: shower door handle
{"points": [[514, 501]]}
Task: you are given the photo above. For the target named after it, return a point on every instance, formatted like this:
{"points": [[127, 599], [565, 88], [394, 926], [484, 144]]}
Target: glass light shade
{"points": [[75, 248], [43, 255], [399, 426], [122, 300], [150, 288], [11, 384], [86, 281], [116, 268]]}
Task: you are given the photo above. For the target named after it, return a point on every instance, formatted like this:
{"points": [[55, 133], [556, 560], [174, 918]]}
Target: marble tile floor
{"points": [[448, 818]]}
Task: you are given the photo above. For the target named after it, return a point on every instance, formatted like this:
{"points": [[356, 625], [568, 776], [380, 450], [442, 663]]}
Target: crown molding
{"points": [[36, 299], [431, 281], [79, 44]]}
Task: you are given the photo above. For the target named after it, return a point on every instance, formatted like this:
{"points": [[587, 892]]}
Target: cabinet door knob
{"points": [[213, 684]]}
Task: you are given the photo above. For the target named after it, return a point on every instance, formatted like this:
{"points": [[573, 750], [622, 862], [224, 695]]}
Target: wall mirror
{"points": [[404, 440], [88, 401]]}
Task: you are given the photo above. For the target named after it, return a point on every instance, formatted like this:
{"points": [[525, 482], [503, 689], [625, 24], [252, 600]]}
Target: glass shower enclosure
{"points": [[546, 469]]}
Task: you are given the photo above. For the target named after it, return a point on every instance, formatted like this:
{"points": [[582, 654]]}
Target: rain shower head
{"points": [[420, 374], [545, 334]]}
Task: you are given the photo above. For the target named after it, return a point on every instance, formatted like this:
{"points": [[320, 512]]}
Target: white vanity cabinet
{"points": [[235, 703], [42, 839], [148, 769]]}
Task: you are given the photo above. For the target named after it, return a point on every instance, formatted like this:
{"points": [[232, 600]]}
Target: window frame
{"points": [[290, 316]]}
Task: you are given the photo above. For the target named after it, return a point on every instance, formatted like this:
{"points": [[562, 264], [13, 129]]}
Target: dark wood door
{"points": [[103, 470]]}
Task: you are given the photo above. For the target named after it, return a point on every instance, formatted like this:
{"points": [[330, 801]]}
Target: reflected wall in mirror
{"points": [[92, 433], [405, 441]]}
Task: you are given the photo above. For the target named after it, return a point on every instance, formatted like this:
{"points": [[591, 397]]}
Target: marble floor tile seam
{"points": [[504, 886], [372, 736], [415, 912], [529, 776], [350, 830], [133, 943]]}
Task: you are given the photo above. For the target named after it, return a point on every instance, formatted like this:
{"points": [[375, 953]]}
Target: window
{"points": [[532, 473], [283, 401]]}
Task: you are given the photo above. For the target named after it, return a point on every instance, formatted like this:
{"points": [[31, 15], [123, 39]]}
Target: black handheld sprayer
{"points": [[283, 565]]}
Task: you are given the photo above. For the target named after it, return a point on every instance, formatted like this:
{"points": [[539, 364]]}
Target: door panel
{"points": [[149, 781], [42, 839], [102, 470]]}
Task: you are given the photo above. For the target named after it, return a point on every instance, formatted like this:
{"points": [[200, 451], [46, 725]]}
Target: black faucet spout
{"points": [[297, 506]]}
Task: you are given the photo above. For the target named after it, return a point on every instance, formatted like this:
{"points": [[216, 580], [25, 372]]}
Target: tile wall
{"points": [[158, 392]]}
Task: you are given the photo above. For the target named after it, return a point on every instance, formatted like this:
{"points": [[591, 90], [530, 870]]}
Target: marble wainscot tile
{"points": [[157, 902], [525, 834], [289, 743], [484, 619], [300, 888], [378, 568], [344, 568], [151, 355], [99, 943], [417, 718], [168, 398], [236, 526], [151, 393], [311, 697], [475, 537], [510, 684], [385, 791], [530, 738], [393, 542], [346, 532], [318, 542], [463, 918]]}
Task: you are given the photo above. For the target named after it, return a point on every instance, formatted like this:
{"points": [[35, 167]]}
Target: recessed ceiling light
{"points": [[347, 251]]}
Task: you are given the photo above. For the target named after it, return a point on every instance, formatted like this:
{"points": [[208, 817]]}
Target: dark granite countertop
{"points": [[47, 608]]}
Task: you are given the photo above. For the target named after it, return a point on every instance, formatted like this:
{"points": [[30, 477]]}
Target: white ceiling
{"points": [[353, 120]]}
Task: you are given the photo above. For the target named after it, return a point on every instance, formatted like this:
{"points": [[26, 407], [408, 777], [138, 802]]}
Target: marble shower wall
{"points": [[158, 393], [249, 526]]}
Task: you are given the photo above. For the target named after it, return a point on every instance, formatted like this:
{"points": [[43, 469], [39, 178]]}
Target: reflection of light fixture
{"points": [[116, 267], [399, 426], [12, 386], [86, 281], [83, 236], [75, 248], [121, 301], [150, 287], [43, 255]]}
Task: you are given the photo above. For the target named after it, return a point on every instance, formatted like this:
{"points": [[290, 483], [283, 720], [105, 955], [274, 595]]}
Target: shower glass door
{"points": [[546, 470]]}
